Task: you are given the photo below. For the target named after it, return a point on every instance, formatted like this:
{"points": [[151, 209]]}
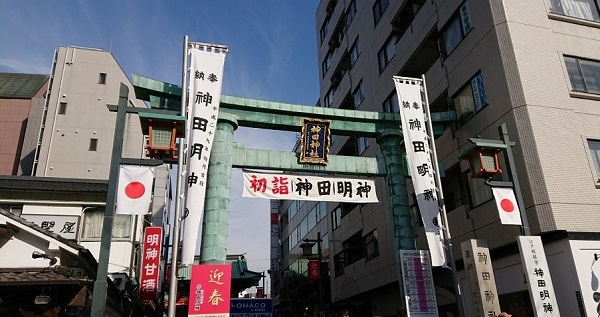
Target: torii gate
{"points": [[253, 113]]}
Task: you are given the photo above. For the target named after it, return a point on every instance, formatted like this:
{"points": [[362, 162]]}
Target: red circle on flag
{"points": [[135, 190], [507, 205]]}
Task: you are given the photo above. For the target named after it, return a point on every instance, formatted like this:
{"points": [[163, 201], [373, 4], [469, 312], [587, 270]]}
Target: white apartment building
{"points": [[533, 65]]}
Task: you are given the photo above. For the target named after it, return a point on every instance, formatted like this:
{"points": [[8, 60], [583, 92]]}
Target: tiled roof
{"points": [[20, 86], [40, 276], [12, 182]]}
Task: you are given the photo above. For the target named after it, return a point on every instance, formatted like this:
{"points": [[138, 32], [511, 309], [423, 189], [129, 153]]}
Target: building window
{"points": [[594, 146], [390, 104], [102, 79], [358, 94], [328, 99], [324, 29], [354, 52], [339, 262], [93, 145], [336, 218], [354, 247], [326, 63], [372, 245], [378, 9], [350, 13], [94, 219], [362, 143], [456, 29], [385, 54], [583, 74], [480, 192], [62, 108], [470, 99], [582, 9], [454, 185]]}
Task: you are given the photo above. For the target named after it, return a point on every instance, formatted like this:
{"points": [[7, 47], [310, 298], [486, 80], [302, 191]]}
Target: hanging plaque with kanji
{"points": [[314, 145]]}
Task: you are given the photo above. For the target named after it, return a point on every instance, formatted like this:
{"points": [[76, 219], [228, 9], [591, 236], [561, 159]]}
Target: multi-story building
{"points": [[22, 98], [533, 65]]}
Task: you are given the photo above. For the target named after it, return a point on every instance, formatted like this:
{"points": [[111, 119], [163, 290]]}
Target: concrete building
{"points": [[533, 65], [22, 98]]}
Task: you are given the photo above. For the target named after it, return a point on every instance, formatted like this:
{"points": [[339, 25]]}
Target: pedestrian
{"points": [[344, 313]]}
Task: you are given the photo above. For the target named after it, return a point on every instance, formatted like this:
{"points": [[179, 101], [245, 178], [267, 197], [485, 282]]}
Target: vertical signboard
{"points": [[480, 274], [537, 272], [314, 269], [418, 143], [274, 235], [149, 277], [210, 288], [419, 290], [206, 72]]}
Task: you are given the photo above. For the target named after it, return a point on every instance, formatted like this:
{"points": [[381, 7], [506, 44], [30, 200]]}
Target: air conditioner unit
{"points": [[464, 106]]}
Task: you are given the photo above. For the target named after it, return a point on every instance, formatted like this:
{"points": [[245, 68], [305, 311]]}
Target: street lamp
{"points": [[307, 252], [483, 162]]}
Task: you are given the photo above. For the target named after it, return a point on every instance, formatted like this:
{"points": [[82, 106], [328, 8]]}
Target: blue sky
{"points": [[272, 56]]}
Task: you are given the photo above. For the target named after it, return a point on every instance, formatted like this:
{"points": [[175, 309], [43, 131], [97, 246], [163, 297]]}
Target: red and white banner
{"points": [[149, 277], [206, 78], [210, 288], [305, 187], [417, 142], [135, 190], [507, 206], [314, 269]]}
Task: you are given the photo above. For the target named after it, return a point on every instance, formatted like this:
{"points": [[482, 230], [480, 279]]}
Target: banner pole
{"points": [[178, 195], [445, 226]]}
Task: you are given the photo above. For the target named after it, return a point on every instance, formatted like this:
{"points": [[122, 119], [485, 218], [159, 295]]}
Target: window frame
{"points": [[359, 92], [461, 20], [388, 50], [362, 143], [324, 29], [391, 104], [475, 93], [556, 7], [350, 14], [594, 155], [371, 245], [354, 52], [102, 79], [584, 81], [380, 6], [93, 146], [62, 108], [96, 234], [326, 64]]}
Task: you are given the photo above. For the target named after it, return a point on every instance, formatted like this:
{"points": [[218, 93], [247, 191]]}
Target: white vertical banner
{"points": [[418, 140], [204, 95]]}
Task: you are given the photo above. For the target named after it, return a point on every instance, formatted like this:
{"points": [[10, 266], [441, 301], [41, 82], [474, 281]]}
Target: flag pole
{"points": [[178, 194], [442, 205]]}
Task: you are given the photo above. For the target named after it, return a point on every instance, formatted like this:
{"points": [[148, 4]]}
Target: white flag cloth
{"points": [[419, 154], [135, 190], [206, 72], [507, 206]]}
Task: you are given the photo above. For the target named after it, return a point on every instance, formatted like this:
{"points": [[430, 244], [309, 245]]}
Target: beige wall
{"points": [[66, 138]]}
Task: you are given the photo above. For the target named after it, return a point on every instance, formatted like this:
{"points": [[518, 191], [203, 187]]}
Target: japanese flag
{"points": [[507, 206], [134, 190]]}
